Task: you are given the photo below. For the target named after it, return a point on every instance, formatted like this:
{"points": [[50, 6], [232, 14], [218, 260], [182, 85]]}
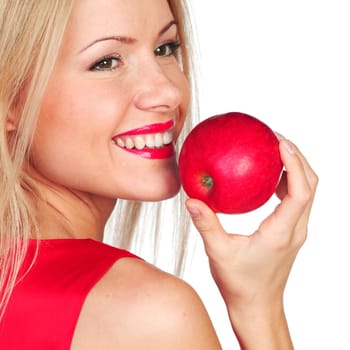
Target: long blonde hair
{"points": [[31, 33]]}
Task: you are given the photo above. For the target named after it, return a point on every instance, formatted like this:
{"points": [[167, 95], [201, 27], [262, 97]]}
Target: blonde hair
{"points": [[31, 33]]}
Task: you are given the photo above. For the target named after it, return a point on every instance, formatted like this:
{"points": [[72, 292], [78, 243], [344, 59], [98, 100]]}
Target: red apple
{"points": [[231, 162]]}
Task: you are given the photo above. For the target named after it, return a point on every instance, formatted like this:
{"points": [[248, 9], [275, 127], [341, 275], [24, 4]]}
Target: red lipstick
{"points": [[153, 141], [157, 153], [149, 129]]}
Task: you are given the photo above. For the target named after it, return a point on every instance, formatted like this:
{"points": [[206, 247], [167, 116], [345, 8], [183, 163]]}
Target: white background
{"points": [[287, 63]]}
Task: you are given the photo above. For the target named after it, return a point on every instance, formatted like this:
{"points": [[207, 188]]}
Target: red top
{"points": [[44, 308]]}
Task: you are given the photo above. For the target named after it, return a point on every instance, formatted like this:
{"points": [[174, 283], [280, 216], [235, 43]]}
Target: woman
{"points": [[93, 99]]}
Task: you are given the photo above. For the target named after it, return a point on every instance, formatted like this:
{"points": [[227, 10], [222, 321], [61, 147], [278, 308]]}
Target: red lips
{"points": [[153, 141]]}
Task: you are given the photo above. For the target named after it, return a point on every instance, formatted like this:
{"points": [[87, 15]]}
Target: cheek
{"points": [[184, 87], [79, 111], [70, 126]]}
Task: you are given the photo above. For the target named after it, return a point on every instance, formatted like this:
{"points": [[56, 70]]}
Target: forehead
{"points": [[93, 18]]}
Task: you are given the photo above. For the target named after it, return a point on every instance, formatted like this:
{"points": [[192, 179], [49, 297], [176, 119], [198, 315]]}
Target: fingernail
{"points": [[194, 212], [288, 146], [279, 136]]}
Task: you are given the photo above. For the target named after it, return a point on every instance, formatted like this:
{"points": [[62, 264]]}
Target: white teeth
{"points": [[167, 138], [139, 142], [158, 140], [149, 141], [129, 143], [120, 142]]}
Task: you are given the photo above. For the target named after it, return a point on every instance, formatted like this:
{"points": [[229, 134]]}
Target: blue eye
{"points": [[106, 64], [168, 49]]}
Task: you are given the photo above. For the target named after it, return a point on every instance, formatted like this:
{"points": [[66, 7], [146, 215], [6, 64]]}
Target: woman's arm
{"points": [[251, 271]]}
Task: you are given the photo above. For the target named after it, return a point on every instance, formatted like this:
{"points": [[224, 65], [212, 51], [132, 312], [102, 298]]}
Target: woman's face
{"points": [[115, 103]]}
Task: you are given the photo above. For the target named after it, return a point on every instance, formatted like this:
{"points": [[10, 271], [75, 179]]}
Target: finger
{"points": [[207, 224], [310, 173], [297, 181], [298, 194], [312, 179], [282, 189]]}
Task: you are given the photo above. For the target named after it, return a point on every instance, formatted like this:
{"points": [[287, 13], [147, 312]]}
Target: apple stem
{"points": [[207, 181]]}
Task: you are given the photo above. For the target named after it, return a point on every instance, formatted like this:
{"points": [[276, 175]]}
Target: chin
{"points": [[164, 186], [157, 191], [161, 194]]}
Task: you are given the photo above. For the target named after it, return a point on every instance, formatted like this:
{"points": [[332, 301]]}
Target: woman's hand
{"points": [[251, 271]]}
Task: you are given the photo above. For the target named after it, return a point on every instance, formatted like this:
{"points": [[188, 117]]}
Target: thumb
{"points": [[207, 224]]}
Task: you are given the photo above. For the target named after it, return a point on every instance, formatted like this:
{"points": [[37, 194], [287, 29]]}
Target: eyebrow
{"points": [[126, 39]]}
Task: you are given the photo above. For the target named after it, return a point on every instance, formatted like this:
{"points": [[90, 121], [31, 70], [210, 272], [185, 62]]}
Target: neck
{"points": [[65, 213]]}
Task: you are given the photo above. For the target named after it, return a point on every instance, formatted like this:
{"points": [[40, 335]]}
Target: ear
{"points": [[11, 122], [10, 125]]}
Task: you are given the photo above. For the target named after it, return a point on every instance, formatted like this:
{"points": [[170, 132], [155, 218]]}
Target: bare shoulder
{"points": [[137, 306]]}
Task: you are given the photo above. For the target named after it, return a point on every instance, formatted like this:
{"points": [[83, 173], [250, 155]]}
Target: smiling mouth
{"points": [[153, 141]]}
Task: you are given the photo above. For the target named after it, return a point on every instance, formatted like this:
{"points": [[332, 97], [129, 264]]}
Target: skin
{"points": [[82, 173], [84, 108]]}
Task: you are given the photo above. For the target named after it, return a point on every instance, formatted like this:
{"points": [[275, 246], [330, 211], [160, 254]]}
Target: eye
{"points": [[168, 49], [106, 64]]}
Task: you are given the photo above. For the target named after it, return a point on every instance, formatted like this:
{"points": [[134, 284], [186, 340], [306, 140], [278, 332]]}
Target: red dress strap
{"points": [[45, 305]]}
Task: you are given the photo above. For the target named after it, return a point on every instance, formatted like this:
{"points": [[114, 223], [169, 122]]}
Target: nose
{"points": [[157, 88]]}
